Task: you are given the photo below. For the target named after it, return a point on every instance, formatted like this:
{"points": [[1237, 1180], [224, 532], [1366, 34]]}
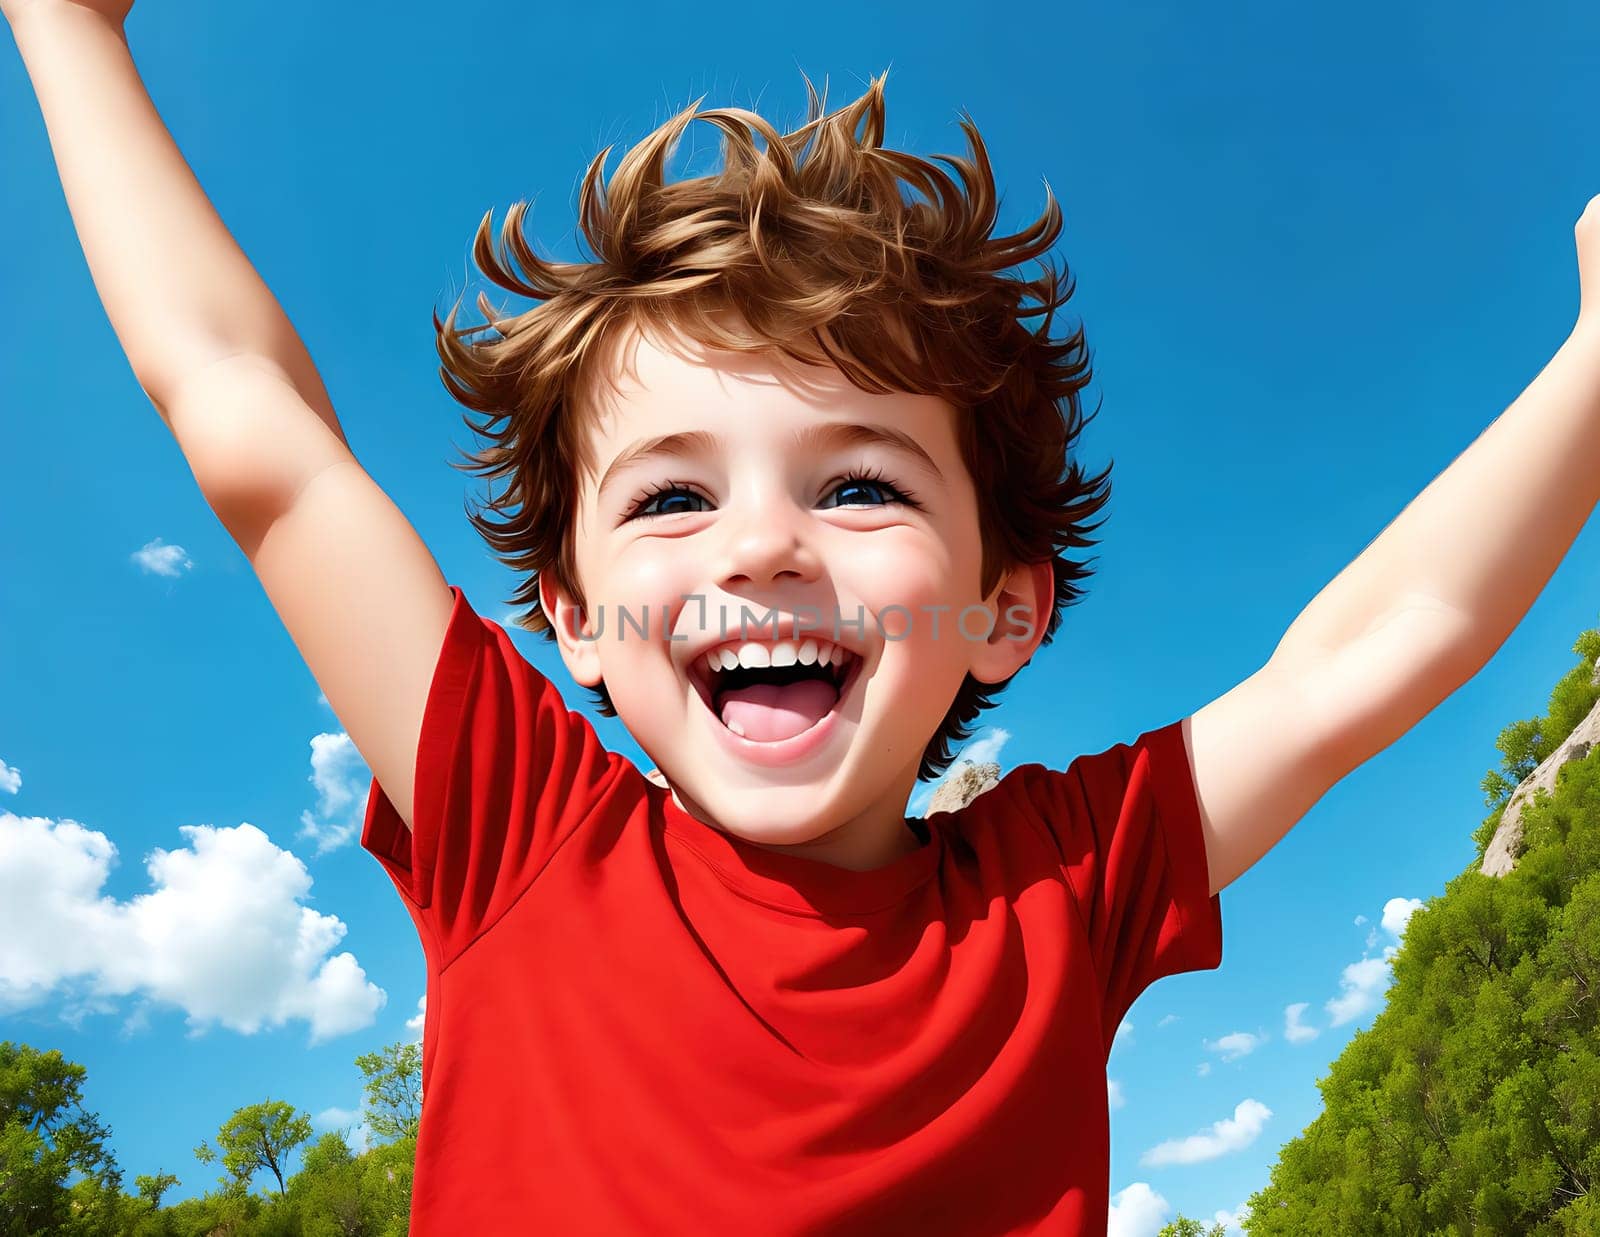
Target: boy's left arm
{"points": [[1417, 614]]}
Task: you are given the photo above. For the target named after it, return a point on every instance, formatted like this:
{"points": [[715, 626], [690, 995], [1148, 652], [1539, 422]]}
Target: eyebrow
{"points": [[832, 434]]}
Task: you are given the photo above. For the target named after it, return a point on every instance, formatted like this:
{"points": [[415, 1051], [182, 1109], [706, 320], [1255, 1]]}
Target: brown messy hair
{"points": [[808, 240]]}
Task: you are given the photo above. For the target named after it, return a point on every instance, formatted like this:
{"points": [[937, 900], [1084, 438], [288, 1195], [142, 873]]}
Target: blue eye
{"points": [[667, 494], [863, 485]]}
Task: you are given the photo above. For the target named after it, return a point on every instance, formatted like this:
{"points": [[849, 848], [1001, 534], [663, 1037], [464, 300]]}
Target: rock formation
{"points": [[1504, 847], [962, 785]]}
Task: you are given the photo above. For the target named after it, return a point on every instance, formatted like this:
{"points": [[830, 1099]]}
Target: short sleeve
{"points": [[1127, 824], [505, 773]]}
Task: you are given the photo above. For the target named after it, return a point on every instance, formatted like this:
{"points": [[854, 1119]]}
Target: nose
{"points": [[767, 542]]}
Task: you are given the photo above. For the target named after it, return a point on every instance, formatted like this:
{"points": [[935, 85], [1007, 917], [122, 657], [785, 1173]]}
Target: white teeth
{"points": [[736, 728], [752, 656]]}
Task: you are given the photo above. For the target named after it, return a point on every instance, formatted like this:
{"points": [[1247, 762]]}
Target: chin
{"points": [[773, 814]]}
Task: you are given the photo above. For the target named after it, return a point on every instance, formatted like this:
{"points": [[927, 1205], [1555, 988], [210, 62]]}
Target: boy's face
{"points": [[754, 510]]}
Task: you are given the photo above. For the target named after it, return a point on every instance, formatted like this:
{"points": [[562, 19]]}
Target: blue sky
{"points": [[1316, 255]]}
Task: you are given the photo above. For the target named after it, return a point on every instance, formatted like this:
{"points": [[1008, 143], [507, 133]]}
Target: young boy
{"points": [[788, 476]]}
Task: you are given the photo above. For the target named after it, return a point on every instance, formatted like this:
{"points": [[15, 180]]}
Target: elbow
{"points": [[1363, 697]]}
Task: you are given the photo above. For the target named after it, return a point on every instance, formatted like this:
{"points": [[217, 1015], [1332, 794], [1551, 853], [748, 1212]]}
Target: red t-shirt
{"points": [[637, 1023]]}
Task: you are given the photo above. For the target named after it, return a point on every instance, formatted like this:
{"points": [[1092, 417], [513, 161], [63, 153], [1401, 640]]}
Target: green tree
{"points": [[46, 1137], [256, 1137], [228, 1212], [329, 1193], [1524, 745], [386, 1178], [1472, 1103], [151, 1188], [1183, 1226], [392, 1081]]}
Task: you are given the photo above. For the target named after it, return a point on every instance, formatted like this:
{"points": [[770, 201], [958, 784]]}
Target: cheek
{"points": [[651, 571], [908, 571], [932, 585], [645, 582]]}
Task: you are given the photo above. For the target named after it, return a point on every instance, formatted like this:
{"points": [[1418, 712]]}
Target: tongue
{"points": [[767, 712]]}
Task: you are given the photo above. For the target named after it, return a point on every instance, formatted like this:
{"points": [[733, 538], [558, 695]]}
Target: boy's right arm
{"points": [[361, 596], [358, 591]]}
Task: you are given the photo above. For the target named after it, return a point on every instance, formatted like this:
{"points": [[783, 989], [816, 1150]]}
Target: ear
{"points": [[567, 618], [1021, 605]]}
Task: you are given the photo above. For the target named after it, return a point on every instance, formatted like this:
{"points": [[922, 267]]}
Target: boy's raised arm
{"points": [[357, 590], [180, 293]]}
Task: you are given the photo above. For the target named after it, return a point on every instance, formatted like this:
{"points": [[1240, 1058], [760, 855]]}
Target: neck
{"points": [[873, 839]]}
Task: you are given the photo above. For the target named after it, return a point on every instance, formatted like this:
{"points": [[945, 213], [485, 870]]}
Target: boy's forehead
{"points": [[662, 371], [653, 383]]}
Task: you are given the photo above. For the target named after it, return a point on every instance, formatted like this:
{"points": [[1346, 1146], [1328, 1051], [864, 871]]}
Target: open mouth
{"points": [[769, 704]]}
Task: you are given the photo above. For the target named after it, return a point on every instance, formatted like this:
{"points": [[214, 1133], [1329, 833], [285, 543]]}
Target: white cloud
{"points": [[1114, 1097], [351, 1122], [1136, 1211], [979, 751], [1232, 1221], [157, 559], [1360, 986], [1203, 1069], [342, 780], [1360, 919], [986, 749], [1167, 1019], [1230, 1134], [414, 1025], [1397, 913], [222, 934], [10, 779], [1235, 1045], [334, 1118], [1295, 1031]]}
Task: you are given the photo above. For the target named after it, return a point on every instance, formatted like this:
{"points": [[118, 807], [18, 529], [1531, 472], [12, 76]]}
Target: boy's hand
{"points": [[1588, 235], [114, 11]]}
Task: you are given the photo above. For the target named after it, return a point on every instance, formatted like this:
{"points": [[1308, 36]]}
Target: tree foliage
{"points": [[46, 1138], [260, 1136], [1472, 1103], [1183, 1226], [392, 1084], [1524, 745]]}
